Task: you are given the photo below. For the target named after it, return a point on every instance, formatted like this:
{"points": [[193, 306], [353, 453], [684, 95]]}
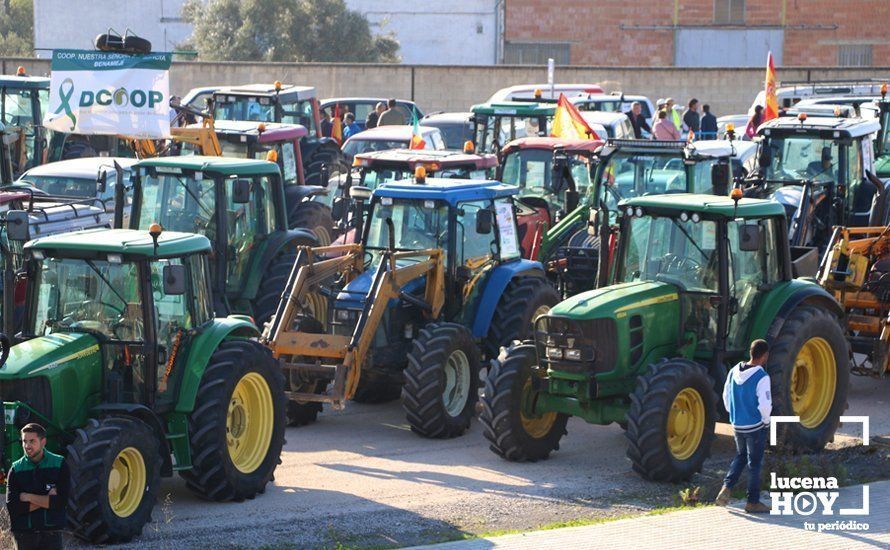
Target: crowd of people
{"points": [[383, 114], [673, 123]]}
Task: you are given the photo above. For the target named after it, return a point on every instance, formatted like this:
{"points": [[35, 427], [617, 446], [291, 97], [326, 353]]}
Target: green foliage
{"points": [[17, 28], [690, 496], [284, 30]]}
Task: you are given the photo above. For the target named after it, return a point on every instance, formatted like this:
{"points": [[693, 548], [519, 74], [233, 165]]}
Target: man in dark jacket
{"points": [[691, 119], [637, 120], [36, 493], [708, 123]]}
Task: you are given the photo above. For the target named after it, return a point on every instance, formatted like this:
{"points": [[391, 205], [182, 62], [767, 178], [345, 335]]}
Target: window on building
{"points": [[854, 55], [729, 12], [530, 53]]}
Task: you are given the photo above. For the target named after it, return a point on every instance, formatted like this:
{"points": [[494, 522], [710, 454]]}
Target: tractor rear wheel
{"points": [[236, 430], [524, 299], [513, 434], [314, 216], [272, 285], [441, 381], [671, 420], [115, 466], [810, 374]]}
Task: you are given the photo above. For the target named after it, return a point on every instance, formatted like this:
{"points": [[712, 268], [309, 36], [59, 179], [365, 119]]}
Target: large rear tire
{"points": [[314, 216], [810, 374], [441, 381], [508, 387], [114, 465], [523, 300], [236, 430], [272, 285], [670, 425]]}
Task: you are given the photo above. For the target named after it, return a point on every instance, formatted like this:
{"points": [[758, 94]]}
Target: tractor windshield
{"points": [[179, 203], [18, 112], [417, 224], [628, 174], [670, 250], [531, 171], [797, 158], [88, 296], [243, 107], [494, 132]]}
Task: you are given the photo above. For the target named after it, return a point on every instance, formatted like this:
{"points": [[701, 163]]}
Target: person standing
{"points": [[391, 116], [673, 115], [746, 395], [664, 129], [691, 120], [754, 122], [327, 124], [708, 123], [351, 128], [373, 116], [37, 493], [637, 120]]}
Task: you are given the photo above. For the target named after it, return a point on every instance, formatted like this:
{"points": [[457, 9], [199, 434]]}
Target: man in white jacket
{"points": [[746, 396]]}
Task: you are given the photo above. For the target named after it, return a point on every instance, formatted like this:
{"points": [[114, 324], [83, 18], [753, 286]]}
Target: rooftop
{"points": [[274, 131], [449, 190], [412, 157], [130, 242], [87, 167], [824, 126], [568, 144], [27, 82], [302, 92], [392, 132], [712, 205], [219, 165], [521, 108]]}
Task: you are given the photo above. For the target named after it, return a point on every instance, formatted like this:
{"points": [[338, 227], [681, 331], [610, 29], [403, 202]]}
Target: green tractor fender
{"points": [[146, 415], [200, 350], [275, 243], [779, 302], [561, 231]]}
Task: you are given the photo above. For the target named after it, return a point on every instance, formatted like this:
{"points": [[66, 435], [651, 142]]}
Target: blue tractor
{"points": [[434, 287]]}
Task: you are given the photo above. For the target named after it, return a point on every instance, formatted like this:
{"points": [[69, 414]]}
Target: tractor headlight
{"points": [[573, 354], [344, 315], [554, 353]]}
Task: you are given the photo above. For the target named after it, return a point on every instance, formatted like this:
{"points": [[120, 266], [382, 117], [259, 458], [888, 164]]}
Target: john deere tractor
{"points": [[497, 123], [695, 279], [123, 362], [239, 205], [435, 287]]}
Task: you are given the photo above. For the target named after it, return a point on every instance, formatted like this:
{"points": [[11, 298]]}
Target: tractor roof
{"points": [[644, 145], [515, 108], [135, 244], [301, 92], [527, 91], [25, 82], [551, 143], [439, 159], [446, 189], [824, 127], [713, 205], [719, 148], [274, 131], [219, 165]]}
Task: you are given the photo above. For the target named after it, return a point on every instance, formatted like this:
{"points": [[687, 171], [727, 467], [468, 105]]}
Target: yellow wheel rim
{"points": [[813, 382], [249, 423], [536, 426], [126, 482], [686, 423], [542, 310]]}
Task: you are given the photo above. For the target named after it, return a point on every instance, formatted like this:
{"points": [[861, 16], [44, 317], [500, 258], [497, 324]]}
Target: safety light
{"points": [[277, 85], [629, 212], [272, 156], [802, 117], [639, 212], [538, 93], [420, 174], [837, 110], [20, 71], [469, 147], [684, 217], [730, 127], [115, 259], [883, 89], [356, 162], [736, 194], [261, 127], [155, 230], [431, 166], [695, 217]]}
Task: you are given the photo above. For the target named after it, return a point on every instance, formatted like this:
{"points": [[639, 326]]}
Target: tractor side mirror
{"points": [[766, 156], [360, 192], [750, 237], [174, 280], [721, 175], [338, 209], [102, 181], [241, 191], [484, 221], [18, 226]]}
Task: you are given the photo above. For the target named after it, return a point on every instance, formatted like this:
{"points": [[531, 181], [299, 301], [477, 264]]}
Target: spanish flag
{"points": [[568, 122], [771, 107], [417, 141], [337, 125]]}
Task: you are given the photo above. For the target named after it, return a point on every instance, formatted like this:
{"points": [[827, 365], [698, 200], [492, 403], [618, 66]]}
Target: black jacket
{"points": [[639, 123], [28, 477], [709, 124]]}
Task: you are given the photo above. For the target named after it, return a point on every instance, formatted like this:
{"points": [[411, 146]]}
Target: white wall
{"points": [[449, 32], [75, 23]]}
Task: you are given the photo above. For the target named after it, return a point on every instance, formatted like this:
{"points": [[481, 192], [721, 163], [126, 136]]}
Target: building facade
{"points": [[697, 33]]}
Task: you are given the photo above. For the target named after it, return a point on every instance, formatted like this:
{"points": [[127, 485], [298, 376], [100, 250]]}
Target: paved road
{"points": [[360, 477]]}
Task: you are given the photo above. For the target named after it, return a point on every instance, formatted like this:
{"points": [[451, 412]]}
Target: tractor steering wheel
{"points": [[680, 264]]}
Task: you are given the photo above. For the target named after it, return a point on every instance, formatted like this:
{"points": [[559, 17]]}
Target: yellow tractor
{"points": [[856, 269]]}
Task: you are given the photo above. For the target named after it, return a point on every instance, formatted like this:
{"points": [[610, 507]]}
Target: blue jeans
{"points": [[749, 450]]}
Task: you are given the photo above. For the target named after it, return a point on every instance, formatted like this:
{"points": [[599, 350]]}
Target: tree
{"points": [[17, 28], [285, 30]]}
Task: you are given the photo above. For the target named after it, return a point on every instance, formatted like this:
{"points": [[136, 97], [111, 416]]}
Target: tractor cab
{"points": [[376, 168], [497, 124], [23, 102], [822, 170]]}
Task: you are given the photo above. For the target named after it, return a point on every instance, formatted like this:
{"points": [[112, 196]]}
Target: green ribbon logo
{"points": [[65, 98]]}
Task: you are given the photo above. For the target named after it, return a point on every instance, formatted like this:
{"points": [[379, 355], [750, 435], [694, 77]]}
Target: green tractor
{"points": [[239, 205], [695, 279], [882, 142], [123, 362], [495, 124]]}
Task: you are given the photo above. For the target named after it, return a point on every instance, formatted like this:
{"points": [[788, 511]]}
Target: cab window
{"points": [[173, 319], [474, 248], [244, 222]]}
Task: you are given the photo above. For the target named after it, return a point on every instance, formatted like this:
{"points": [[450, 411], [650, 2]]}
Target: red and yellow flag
{"points": [[337, 125], [771, 107], [568, 122]]}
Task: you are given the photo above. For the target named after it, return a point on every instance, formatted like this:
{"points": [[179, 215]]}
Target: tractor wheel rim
{"points": [[316, 306], [457, 382], [542, 310], [126, 482], [535, 426], [323, 235], [813, 382], [686, 423], [249, 422]]}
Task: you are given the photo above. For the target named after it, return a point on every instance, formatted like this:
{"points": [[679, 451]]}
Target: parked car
{"points": [[362, 106], [616, 101], [790, 93], [456, 128], [615, 125], [739, 121], [79, 178], [383, 138], [196, 98]]}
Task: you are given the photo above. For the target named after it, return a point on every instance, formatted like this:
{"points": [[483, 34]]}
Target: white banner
{"points": [[93, 92]]}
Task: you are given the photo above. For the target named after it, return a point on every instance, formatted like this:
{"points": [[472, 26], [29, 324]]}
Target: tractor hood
{"points": [[617, 301], [352, 296], [44, 355]]}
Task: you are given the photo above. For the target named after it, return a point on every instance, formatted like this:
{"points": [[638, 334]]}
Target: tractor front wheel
{"points": [[441, 381], [524, 299], [115, 466], [809, 369], [236, 430], [513, 432], [670, 424]]}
